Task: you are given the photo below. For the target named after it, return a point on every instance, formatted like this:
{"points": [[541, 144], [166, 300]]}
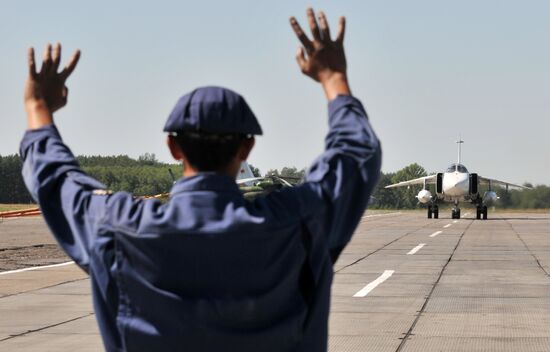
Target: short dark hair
{"points": [[209, 151]]}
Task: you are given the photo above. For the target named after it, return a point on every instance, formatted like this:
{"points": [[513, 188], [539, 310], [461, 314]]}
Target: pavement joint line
{"points": [[436, 233], [446, 226], [373, 284], [379, 249], [416, 249], [45, 327], [42, 288], [421, 311], [527, 247], [35, 268]]}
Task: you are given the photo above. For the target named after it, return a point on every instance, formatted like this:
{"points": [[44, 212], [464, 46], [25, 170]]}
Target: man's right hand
{"points": [[45, 91], [323, 59]]}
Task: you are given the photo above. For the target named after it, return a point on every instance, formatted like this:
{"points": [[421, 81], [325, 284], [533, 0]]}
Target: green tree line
{"points": [[12, 188], [142, 176], [147, 176]]}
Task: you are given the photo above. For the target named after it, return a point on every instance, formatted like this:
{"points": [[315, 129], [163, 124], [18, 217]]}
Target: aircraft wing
{"points": [[248, 180], [492, 181], [430, 180], [244, 181]]}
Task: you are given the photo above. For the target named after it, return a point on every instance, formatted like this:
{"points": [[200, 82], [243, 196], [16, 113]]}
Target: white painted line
{"points": [[372, 285], [436, 233], [454, 222], [466, 214], [448, 225], [376, 215], [35, 268], [416, 249]]}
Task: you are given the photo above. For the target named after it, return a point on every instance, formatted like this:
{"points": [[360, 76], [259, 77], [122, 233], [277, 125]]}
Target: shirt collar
{"points": [[205, 181]]}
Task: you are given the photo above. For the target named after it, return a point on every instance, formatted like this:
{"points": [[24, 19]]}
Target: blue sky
{"points": [[425, 70]]}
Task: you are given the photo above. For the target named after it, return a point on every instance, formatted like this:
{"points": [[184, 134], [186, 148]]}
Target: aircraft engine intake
{"points": [[473, 183], [424, 196], [490, 197], [439, 183]]}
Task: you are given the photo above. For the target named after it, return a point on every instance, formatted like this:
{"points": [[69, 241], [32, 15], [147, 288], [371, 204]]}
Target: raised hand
{"points": [[322, 58], [47, 89]]}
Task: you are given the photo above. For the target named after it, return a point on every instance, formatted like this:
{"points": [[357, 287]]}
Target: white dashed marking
{"points": [[372, 285], [416, 249], [446, 226], [35, 268], [436, 233]]}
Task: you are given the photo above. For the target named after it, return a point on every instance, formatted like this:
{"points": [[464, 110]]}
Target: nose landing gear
{"points": [[481, 211], [455, 214]]}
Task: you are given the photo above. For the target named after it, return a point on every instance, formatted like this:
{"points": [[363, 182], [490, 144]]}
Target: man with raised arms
{"points": [[208, 270]]}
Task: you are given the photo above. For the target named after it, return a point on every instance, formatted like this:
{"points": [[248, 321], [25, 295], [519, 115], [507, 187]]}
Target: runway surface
{"points": [[405, 283]]}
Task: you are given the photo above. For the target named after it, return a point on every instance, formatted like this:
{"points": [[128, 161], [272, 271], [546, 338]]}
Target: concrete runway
{"points": [[405, 283]]}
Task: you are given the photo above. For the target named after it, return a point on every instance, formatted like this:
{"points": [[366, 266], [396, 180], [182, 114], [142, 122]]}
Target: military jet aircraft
{"points": [[246, 177], [454, 185]]}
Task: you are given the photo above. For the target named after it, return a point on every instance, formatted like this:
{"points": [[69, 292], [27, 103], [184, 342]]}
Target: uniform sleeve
{"points": [[342, 179], [71, 201]]}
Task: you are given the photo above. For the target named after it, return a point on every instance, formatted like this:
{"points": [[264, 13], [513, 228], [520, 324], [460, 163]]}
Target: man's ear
{"points": [[174, 148], [246, 148]]}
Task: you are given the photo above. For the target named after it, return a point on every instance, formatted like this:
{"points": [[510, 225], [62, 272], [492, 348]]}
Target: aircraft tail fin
{"points": [[459, 142], [245, 172]]}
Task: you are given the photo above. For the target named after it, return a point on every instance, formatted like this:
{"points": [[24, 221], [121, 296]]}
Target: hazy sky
{"points": [[425, 70]]}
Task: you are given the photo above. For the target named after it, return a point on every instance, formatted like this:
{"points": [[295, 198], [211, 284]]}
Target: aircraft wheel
{"points": [[429, 211], [453, 214], [484, 212], [458, 213], [436, 212], [478, 213]]}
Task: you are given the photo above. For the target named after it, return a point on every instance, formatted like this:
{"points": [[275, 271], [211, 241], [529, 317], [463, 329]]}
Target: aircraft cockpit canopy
{"points": [[457, 168]]}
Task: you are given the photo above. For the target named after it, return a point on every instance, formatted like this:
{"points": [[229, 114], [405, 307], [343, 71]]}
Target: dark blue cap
{"points": [[212, 110]]}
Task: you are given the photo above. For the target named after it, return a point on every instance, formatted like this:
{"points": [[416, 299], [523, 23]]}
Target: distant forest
{"points": [[142, 176], [148, 176]]}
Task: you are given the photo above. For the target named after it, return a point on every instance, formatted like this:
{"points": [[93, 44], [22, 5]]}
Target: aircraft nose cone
{"points": [[456, 184], [460, 183]]}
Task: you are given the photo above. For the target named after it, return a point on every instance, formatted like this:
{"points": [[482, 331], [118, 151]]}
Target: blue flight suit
{"points": [[209, 270]]}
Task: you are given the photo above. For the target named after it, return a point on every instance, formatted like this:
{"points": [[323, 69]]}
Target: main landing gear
{"points": [[481, 211], [433, 210]]}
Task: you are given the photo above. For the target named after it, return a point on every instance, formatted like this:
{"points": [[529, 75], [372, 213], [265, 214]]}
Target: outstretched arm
{"points": [[71, 201], [339, 183]]}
